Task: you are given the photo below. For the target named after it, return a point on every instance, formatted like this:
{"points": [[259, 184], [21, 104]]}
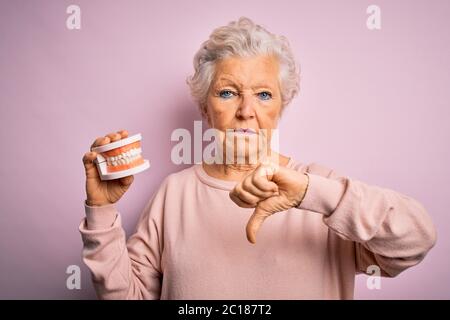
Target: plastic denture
{"points": [[120, 158]]}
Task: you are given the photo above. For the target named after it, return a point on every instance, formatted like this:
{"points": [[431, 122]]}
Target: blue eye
{"points": [[265, 95], [226, 94]]}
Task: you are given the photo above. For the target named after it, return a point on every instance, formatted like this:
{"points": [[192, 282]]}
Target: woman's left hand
{"points": [[269, 189]]}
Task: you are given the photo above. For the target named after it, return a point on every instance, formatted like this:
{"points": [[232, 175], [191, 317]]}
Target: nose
{"points": [[245, 110]]}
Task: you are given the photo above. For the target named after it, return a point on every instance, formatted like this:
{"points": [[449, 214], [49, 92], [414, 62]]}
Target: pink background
{"points": [[374, 105]]}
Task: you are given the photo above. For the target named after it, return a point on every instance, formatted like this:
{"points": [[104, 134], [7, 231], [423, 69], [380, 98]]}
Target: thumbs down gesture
{"points": [[269, 189]]}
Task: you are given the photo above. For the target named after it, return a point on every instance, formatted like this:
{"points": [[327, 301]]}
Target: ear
{"points": [[205, 114], [281, 111]]}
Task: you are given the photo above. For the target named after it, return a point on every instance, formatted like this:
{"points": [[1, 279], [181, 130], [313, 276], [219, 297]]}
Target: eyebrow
{"points": [[226, 80], [222, 81]]}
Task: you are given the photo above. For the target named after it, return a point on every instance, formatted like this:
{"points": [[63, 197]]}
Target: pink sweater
{"points": [[190, 241]]}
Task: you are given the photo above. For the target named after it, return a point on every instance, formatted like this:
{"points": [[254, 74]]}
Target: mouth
{"points": [[245, 130], [123, 158]]}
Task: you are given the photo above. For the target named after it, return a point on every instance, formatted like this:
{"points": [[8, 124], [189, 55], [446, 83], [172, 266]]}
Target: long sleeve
{"points": [[390, 230], [123, 269]]}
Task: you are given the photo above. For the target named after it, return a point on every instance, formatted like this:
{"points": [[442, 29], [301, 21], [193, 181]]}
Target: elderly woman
{"points": [[190, 240]]}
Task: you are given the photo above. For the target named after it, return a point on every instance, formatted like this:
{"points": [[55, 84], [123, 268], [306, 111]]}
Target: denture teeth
{"points": [[126, 157]]}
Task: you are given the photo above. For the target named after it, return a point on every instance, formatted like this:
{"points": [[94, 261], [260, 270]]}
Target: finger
{"points": [[254, 224], [239, 202], [114, 136], [266, 171], [262, 183], [100, 141], [245, 196], [254, 190], [89, 165], [123, 133], [126, 181]]}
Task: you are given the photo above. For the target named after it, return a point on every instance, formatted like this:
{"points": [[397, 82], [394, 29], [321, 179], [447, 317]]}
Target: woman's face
{"points": [[245, 94]]}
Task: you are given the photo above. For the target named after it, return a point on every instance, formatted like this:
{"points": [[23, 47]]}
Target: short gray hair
{"points": [[243, 38]]}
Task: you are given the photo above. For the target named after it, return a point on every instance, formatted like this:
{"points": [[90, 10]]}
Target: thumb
{"points": [[255, 222], [89, 166]]}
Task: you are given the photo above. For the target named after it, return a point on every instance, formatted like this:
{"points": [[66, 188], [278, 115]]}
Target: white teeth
{"points": [[124, 158]]}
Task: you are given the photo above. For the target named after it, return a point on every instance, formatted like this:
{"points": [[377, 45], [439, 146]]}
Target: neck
{"points": [[237, 172]]}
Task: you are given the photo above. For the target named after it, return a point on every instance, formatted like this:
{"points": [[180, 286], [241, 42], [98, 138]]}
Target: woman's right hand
{"points": [[100, 192]]}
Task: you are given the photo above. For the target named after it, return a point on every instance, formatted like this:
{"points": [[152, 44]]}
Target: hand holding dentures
{"points": [[110, 166]]}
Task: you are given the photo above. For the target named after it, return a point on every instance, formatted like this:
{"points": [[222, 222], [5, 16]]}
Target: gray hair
{"points": [[243, 38]]}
